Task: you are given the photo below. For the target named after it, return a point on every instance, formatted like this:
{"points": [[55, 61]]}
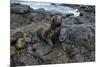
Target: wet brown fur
{"points": [[54, 31]]}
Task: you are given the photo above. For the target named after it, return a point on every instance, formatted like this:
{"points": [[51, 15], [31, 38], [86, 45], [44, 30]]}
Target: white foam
{"points": [[49, 7]]}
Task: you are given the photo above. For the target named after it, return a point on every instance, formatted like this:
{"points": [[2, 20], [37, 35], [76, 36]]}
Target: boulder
{"points": [[74, 37], [18, 21], [38, 46], [15, 36], [12, 50], [87, 8], [69, 14], [40, 10], [21, 43], [39, 49], [14, 4], [20, 9], [71, 21], [38, 16]]}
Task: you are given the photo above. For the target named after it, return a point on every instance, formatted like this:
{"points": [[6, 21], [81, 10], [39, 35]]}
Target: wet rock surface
{"points": [[76, 41], [18, 21], [19, 9]]}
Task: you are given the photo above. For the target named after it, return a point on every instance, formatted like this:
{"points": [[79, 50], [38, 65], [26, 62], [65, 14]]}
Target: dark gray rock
{"points": [[52, 13], [53, 3], [12, 50], [40, 10], [75, 37], [14, 4], [20, 9], [14, 62], [38, 15], [15, 36], [69, 14], [79, 20], [34, 38], [39, 49], [30, 16], [18, 21], [71, 21], [68, 21], [90, 9], [64, 4], [38, 46], [22, 58], [87, 8]]}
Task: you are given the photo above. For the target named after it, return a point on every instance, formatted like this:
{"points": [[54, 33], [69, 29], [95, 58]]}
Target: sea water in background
{"points": [[50, 7]]}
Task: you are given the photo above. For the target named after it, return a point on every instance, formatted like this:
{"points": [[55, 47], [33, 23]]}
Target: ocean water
{"points": [[50, 7]]}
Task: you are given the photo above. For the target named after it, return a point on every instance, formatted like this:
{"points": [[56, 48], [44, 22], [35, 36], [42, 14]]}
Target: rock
{"points": [[56, 56], [18, 21], [69, 14], [75, 37], [20, 9], [27, 39], [14, 62], [15, 36], [86, 14], [78, 20], [57, 13], [53, 3], [27, 36], [12, 50], [14, 4], [40, 10], [40, 17], [39, 49], [34, 38], [87, 8], [31, 10], [64, 4], [81, 20], [68, 21], [87, 18], [70, 5], [30, 16], [90, 9], [37, 15], [21, 43], [77, 58], [71, 21]]}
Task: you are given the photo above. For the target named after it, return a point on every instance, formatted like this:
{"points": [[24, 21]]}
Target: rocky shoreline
{"points": [[76, 39]]}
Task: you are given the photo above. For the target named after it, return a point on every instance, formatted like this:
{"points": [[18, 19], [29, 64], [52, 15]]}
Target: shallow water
{"points": [[49, 7]]}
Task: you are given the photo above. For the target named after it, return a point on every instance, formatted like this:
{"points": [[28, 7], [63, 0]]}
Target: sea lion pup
{"points": [[51, 34], [56, 22]]}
